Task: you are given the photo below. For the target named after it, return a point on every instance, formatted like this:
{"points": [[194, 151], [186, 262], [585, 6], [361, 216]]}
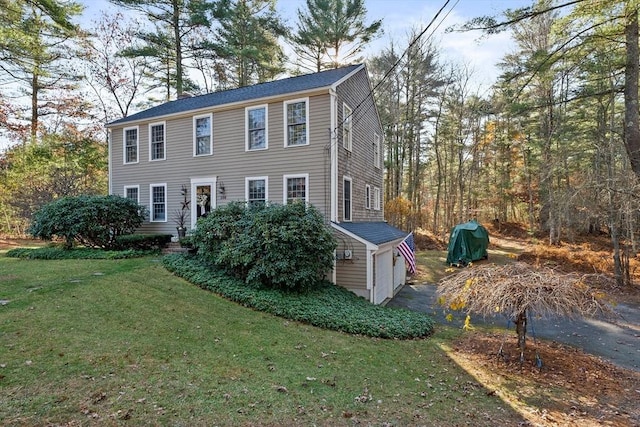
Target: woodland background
{"points": [[554, 145]]}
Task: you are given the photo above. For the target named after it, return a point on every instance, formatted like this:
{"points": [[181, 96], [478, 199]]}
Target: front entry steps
{"points": [[174, 248]]}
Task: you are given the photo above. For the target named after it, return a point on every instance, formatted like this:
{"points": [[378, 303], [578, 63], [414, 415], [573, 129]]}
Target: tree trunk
{"points": [[617, 262], [176, 30], [34, 104], [521, 331], [632, 71]]}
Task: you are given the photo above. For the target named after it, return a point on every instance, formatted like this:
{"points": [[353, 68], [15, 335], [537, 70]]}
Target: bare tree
{"points": [[117, 80]]}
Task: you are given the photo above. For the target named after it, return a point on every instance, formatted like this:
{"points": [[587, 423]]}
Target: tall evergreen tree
{"points": [[247, 39], [586, 22], [173, 21], [35, 51], [332, 33], [404, 97]]}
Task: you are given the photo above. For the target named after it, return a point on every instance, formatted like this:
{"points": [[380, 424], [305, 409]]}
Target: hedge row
{"points": [[81, 253], [142, 241], [326, 305]]}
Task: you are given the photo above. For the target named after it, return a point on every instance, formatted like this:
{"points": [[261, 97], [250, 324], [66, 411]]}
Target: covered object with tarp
{"points": [[468, 242]]}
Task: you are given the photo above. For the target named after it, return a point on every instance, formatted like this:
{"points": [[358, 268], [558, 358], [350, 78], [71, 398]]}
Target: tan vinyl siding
{"points": [[359, 163], [351, 274], [230, 163]]}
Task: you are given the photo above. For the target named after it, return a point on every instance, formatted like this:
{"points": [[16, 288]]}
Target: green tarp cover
{"points": [[468, 242]]}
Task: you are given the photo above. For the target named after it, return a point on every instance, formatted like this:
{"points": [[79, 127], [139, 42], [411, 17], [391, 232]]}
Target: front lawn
{"points": [[126, 342]]}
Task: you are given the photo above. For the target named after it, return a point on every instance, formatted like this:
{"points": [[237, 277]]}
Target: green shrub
{"points": [[94, 221], [142, 241], [281, 246], [326, 305], [53, 253]]}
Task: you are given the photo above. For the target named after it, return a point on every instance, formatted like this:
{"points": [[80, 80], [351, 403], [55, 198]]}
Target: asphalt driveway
{"points": [[616, 340]]}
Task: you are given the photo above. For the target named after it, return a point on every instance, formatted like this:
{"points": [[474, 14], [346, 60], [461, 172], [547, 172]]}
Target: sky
{"points": [[399, 17]]}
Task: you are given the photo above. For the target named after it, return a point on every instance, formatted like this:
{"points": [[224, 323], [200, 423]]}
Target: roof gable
{"points": [[263, 90]]}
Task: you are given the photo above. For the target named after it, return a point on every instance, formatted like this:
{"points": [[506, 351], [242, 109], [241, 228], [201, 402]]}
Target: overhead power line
{"points": [[413, 42]]}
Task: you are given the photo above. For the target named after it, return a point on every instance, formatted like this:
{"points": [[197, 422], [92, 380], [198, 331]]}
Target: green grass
{"points": [[117, 342]]}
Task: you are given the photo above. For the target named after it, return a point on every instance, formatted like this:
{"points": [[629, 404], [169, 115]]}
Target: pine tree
{"points": [[332, 33]]}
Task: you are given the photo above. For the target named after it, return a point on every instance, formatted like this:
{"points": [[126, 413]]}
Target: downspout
{"points": [[333, 159], [370, 266], [333, 153], [110, 154]]}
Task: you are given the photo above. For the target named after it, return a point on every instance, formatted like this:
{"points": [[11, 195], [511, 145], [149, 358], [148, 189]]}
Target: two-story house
{"points": [[314, 137]]}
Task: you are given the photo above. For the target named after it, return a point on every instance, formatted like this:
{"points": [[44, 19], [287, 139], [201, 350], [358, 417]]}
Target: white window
{"points": [[132, 192], [367, 196], [296, 115], [202, 135], [130, 138], [257, 128], [296, 188], [347, 127], [376, 198], [376, 151], [158, 202], [157, 146], [346, 198], [256, 190]]}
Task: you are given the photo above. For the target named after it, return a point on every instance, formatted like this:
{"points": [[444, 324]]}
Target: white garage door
{"points": [[383, 284]]}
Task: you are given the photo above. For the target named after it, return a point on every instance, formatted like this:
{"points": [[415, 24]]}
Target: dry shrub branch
{"points": [[518, 287]]}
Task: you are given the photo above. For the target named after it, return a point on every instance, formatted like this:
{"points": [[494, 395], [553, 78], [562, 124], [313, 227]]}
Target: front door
{"points": [[203, 198]]}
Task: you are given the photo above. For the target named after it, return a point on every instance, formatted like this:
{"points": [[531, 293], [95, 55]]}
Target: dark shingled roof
{"points": [[374, 232], [262, 90]]}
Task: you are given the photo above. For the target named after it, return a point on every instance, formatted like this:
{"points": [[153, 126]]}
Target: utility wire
{"points": [[388, 73], [408, 49]]}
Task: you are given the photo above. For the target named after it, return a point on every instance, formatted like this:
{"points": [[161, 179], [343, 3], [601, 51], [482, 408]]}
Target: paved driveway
{"points": [[617, 341]]}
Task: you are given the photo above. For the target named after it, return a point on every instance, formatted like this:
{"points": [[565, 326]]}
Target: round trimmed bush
{"points": [[94, 221], [281, 246]]}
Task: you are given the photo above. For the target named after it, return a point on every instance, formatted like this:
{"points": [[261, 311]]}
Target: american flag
{"points": [[407, 249]]}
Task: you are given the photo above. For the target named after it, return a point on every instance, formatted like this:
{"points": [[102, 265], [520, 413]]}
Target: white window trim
{"points": [[367, 196], [166, 212], [195, 141], [256, 178], [266, 127], [286, 124], [137, 187], [344, 179], [376, 198], [377, 160], [347, 143], [164, 139], [124, 145], [306, 186]]}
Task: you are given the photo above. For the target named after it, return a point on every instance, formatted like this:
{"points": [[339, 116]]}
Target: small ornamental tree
{"points": [[94, 221], [281, 246], [518, 290]]}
